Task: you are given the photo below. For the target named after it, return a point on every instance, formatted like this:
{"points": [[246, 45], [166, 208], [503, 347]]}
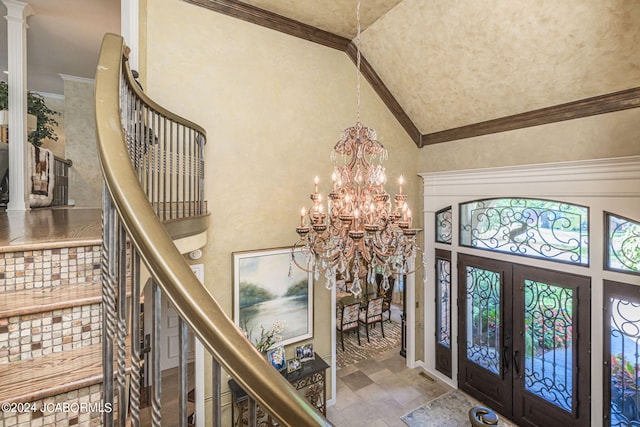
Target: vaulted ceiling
{"points": [[446, 64]]}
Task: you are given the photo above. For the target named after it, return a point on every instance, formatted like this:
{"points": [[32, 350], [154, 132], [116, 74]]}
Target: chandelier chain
{"points": [[358, 59]]}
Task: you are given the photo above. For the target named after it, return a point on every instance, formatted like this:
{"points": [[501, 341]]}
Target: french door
{"points": [[523, 341], [621, 355]]}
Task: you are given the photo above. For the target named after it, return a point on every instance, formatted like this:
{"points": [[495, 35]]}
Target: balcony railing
{"points": [[61, 183]]}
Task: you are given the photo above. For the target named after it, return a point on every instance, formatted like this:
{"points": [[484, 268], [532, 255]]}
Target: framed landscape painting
{"points": [[269, 288]]}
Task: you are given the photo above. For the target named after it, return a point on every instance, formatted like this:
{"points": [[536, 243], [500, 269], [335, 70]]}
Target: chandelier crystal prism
{"points": [[362, 227]]}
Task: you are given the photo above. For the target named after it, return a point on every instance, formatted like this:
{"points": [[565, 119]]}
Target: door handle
{"points": [[505, 358], [515, 362]]}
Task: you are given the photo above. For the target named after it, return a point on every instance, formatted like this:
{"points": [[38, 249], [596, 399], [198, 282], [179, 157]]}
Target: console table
{"points": [[310, 380]]}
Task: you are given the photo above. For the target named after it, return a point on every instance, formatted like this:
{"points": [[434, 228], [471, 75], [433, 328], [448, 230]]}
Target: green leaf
{"points": [[37, 107]]}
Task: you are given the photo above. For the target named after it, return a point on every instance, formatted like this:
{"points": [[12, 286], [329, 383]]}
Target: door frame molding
{"points": [[610, 184]]}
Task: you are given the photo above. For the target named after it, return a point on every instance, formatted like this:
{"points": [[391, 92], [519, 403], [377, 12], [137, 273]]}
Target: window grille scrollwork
{"points": [[444, 225], [623, 244], [546, 229]]}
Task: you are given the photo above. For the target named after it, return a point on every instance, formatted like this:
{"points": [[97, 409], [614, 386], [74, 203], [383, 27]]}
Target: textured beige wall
{"points": [[467, 61], [606, 135], [85, 179], [273, 107]]}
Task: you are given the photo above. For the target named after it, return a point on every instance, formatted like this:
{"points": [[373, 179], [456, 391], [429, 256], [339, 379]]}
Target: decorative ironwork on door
{"points": [[622, 343], [548, 337], [444, 302], [444, 358], [483, 314]]}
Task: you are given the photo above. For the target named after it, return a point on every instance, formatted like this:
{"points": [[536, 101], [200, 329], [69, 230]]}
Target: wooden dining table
{"points": [[347, 298]]}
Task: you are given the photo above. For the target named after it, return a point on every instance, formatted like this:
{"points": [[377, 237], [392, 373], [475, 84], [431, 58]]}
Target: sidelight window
{"points": [[623, 244], [443, 225]]}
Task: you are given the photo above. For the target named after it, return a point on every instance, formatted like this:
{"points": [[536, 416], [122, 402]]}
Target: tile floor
{"points": [[376, 392]]}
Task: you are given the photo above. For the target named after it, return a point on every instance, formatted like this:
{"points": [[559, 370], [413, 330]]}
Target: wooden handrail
{"points": [[195, 304], [67, 162]]}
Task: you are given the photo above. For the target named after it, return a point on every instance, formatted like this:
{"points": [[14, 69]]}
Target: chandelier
{"points": [[362, 226]]}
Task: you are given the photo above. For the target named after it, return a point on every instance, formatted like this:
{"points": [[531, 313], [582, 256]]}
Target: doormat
{"points": [[449, 410]]}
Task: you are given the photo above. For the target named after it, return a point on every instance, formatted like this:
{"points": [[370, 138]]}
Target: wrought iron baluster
{"points": [[183, 376], [108, 302], [121, 282], [253, 412], [157, 163], [171, 162], [183, 172], [216, 378], [189, 161], [164, 167], [151, 154], [156, 388], [136, 365], [201, 142]]}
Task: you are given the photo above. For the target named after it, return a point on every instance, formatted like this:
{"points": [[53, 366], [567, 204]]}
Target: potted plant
{"points": [[37, 107], [625, 393]]}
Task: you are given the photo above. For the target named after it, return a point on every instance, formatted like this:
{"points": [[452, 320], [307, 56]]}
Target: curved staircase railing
{"points": [[152, 163]]}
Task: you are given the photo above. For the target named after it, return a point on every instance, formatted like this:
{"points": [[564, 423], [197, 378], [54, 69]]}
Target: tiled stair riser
{"points": [[49, 267], [82, 407], [32, 336], [39, 334]]}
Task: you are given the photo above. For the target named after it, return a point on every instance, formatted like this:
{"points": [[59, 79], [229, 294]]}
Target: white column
{"points": [[17, 13], [129, 28]]}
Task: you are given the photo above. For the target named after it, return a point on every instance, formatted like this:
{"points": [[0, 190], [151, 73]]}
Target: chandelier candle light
{"points": [[361, 227]]}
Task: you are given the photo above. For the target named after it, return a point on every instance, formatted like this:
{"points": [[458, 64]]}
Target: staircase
{"points": [[50, 329], [70, 350], [70, 347]]}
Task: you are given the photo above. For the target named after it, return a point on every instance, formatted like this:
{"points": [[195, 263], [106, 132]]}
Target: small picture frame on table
{"points": [[277, 358], [293, 365], [299, 351], [305, 352]]}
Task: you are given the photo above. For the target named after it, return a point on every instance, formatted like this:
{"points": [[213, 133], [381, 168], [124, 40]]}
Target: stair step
{"points": [[20, 303], [54, 374], [38, 300]]}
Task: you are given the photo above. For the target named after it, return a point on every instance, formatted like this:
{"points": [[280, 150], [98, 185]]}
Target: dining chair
{"points": [[388, 297], [347, 320], [372, 315]]}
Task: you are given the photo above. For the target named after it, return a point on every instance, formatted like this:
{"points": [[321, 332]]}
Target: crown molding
{"points": [[50, 95], [616, 101], [588, 178], [68, 77], [383, 92], [288, 26], [264, 18]]}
